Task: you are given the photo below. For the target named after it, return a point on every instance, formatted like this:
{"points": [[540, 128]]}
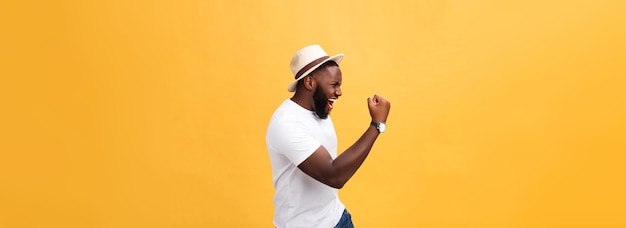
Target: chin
{"points": [[322, 116]]}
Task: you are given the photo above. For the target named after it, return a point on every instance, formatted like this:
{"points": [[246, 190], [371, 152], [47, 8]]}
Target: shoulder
{"points": [[291, 112], [284, 120], [289, 121]]}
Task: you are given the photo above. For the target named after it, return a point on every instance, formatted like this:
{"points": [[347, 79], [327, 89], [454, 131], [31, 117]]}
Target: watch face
{"points": [[381, 127]]}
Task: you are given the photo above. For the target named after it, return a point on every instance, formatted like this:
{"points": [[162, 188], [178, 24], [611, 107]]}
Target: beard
{"points": [[320, 102]]}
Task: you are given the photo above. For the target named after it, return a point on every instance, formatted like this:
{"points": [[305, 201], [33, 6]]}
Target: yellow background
{"points": [[153, 113]]}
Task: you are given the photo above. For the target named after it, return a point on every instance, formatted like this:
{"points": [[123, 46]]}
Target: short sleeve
{"points": [[293, 139]]}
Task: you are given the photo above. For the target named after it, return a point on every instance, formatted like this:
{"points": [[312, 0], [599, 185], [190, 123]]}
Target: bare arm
{"points": [[336, 173]]}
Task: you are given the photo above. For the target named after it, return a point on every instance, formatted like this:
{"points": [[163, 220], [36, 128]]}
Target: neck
{"points": [[303, 100]]}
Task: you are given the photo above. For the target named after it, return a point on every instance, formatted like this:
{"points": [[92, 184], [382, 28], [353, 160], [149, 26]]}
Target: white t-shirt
{"points": [[294, 133]]}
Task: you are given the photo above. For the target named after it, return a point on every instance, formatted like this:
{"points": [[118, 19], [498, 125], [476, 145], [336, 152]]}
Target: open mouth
{"points": [[331, 102]]}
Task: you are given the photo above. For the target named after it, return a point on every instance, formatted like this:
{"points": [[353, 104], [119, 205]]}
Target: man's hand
{"points": [[379, 108]]}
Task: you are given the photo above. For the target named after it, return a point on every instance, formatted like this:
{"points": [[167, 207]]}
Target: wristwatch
{"points": [[379, 125]]}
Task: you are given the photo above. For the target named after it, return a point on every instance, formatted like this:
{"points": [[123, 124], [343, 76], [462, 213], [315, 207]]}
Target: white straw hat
{"points": [[307, 60]]}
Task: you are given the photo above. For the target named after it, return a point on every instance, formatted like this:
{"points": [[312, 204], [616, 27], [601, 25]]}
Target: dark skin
{"points": [[320, 165]]}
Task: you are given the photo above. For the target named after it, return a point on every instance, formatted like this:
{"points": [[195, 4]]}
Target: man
{"points": [[302, 145]]}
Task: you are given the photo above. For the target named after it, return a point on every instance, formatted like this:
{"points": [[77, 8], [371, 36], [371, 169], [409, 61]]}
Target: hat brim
{"points": [[292, 86]]}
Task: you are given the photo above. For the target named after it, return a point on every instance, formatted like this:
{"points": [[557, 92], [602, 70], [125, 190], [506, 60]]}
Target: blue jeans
{"points": [[345, 221]]}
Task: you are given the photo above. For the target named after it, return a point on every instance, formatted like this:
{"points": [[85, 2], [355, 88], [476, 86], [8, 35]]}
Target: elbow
{"points": [[336, 183], [339, 186]]}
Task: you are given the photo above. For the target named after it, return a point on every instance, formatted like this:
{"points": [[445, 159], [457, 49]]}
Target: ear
{"points": [[309, 82]]}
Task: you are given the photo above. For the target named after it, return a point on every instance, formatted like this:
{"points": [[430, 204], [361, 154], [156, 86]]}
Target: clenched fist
{"points": [[379, 108]]}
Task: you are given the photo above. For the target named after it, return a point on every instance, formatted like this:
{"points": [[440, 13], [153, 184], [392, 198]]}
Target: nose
{"points": [[338, 91]]}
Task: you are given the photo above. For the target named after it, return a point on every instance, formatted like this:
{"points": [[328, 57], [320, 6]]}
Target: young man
{"points": [[302, 145]]}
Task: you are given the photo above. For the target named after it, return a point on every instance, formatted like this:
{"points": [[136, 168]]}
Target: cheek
{"points": [[329, 92], [334, 93]]}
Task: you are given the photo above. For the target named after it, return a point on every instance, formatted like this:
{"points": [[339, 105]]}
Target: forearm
{"points": [[336, 172], [346, 164]]}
